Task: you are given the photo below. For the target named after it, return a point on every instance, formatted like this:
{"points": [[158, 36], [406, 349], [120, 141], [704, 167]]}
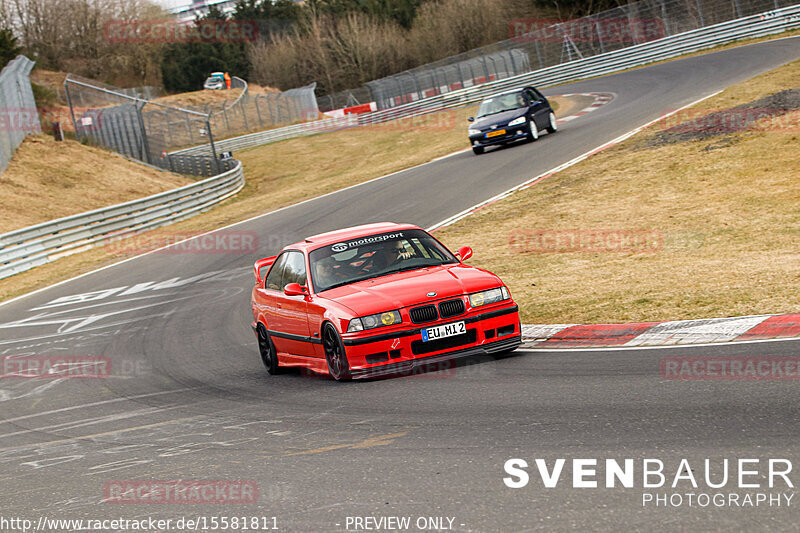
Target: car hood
{"points": [[411, 288], [500, 119]]}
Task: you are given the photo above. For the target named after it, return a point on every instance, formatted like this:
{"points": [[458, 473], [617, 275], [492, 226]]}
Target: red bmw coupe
{"points": [[377, 299]]}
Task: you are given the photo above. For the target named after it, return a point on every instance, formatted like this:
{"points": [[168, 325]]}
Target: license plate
{"points": [[496, 133], [445, 330]]}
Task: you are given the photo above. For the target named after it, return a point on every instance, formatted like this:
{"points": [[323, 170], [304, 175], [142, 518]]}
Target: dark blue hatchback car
{"points": [[511, 116]]}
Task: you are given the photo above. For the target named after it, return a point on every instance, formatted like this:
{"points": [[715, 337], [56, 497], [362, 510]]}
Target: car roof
{"points": [[346, 234]]}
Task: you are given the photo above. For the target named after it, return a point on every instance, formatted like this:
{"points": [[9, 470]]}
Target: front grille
{"points": [[424, 313], [420, 347], [451, 308]]}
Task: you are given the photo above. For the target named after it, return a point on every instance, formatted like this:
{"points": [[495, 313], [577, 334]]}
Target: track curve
{"points": [[188, 398]]}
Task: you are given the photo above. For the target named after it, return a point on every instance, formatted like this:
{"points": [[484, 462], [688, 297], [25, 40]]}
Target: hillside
{"points": [[48, 179]]}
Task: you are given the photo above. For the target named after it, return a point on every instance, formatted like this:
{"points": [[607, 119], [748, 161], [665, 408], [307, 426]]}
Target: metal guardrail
{"points": [[691, 41], [36, 245], [17, 108]]}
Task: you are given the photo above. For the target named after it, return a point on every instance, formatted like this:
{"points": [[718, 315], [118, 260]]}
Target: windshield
{"points": [[503, 102], [374, 256]]}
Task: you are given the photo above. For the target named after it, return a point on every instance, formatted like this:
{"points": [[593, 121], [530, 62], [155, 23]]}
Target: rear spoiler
{"points": [[261, 263]]}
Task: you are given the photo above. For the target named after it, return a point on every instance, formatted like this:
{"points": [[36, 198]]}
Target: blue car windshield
{"points": [[373, 256]]}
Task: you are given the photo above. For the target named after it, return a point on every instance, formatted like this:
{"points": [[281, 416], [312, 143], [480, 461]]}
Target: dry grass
{"points": [[50, 78], [205, 96], [48, 180], [727, 217]]}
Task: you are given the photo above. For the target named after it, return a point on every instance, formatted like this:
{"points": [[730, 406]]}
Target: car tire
{"points": [[267, 349], [335, 354], [477, 150], [553, 127], [533, 131]]}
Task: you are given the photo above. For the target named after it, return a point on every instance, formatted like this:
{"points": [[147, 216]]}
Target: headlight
{"points": [[473, 132], [389, 318], [477, 299], [517, 121]]}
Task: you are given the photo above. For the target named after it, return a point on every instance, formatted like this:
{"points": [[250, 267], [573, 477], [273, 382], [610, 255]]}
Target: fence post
{"points": [[71, 111], [145, 144], [244, 114], [600, 36], [664, 17], [700, 13], [258, 112], [213, 148]]}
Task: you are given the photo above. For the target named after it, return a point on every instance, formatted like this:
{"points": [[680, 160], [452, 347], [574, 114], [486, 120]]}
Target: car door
{"points": [[539, 111], [266, 295], [291, 312]]}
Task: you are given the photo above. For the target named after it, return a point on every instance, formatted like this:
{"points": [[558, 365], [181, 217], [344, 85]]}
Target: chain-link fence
{"points": [[447, 75], [258, 111], [19, 116], [149, 130], [352, 97], [540, 43]]}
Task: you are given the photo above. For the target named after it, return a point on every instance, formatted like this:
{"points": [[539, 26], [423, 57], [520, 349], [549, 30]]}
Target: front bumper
{"points": [[515, 133], [494, 330], [403, 367]]}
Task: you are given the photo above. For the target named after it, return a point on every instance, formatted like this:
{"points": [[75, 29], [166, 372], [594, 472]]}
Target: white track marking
{"points": [[623, 348], [93, 421], [697, 331], [93, 404]]}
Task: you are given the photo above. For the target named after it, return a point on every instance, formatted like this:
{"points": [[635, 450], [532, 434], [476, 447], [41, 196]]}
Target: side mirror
{"points": [[295, 289], [464, 253], [471, 119]]}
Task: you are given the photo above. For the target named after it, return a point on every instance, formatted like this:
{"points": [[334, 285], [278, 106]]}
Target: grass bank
{"points": [[694, 217]]}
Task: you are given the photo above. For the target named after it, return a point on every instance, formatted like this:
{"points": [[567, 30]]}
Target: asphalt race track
{"points": [[188, 397]]}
